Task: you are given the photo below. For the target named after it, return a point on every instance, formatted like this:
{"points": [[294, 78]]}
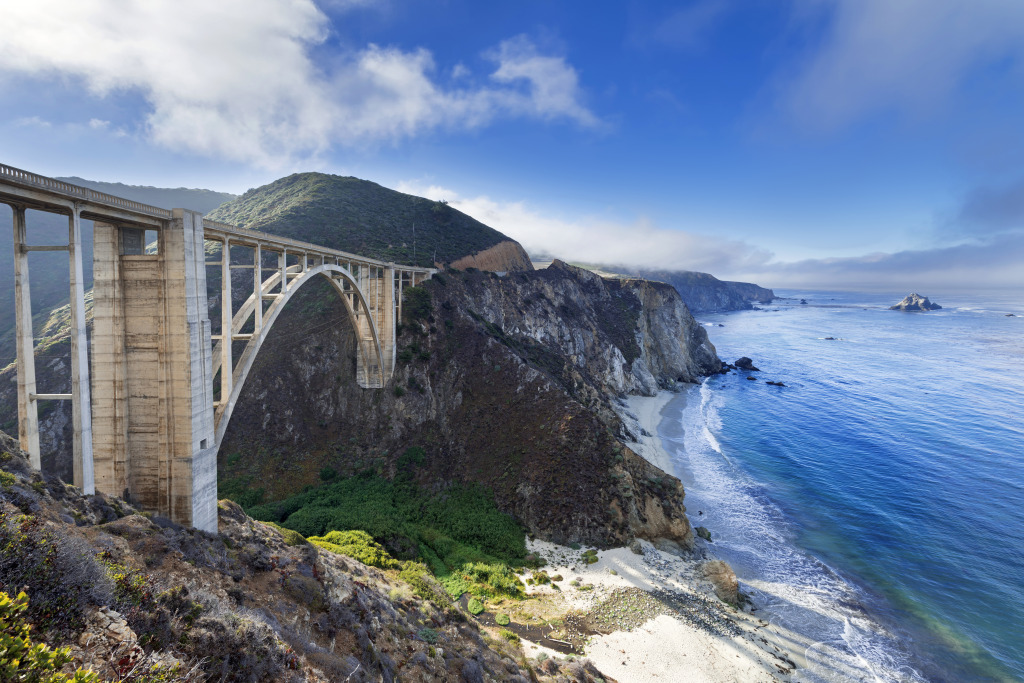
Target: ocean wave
{"points": [[795, 590]]}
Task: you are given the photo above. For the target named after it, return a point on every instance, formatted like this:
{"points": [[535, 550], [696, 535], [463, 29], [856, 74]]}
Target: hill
{"points": [[368, 219]]}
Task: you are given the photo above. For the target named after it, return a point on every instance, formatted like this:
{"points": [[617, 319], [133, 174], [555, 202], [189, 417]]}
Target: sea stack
{"points": [[915, 302]]}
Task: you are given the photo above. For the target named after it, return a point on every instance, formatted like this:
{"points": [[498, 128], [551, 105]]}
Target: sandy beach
{"points": [[658, 616]]}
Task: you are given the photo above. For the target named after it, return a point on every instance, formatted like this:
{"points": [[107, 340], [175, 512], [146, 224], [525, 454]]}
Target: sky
{"points": [[845, 144]]}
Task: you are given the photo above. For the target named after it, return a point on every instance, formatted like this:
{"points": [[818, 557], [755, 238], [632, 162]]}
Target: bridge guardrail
{"points": [[29, 179]]}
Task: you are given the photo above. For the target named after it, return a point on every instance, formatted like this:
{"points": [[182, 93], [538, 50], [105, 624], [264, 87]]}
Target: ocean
{"points": [[875, 504]]}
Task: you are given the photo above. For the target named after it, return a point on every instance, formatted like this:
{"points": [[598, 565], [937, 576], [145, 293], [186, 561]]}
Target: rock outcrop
{"points": [[915, 302], [704, 293], [722, 577]]}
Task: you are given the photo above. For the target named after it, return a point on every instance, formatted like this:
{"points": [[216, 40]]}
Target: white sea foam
{"points": [[794, 589]]}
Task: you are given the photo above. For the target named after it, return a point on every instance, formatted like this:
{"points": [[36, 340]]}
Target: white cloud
{"points": [[236, 78], [986, 263], [593, 239], [33, 122], [98, 124], [909, 55]]}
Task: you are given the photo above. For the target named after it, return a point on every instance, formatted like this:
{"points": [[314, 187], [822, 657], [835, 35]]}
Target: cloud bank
{"points": [[236, 79], [988, 262]]}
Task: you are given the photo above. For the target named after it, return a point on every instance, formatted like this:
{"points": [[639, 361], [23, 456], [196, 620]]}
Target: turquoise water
{"points": [[875, 504]]}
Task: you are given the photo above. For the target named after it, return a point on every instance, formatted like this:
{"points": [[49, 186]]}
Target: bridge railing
{"points": [[28, 179]]}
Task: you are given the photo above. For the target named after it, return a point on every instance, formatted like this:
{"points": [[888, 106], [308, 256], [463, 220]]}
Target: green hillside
{"points": [[361, 217]]}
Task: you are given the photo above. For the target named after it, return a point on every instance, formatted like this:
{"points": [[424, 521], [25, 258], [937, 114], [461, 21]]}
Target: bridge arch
{"points": [[371, 361]]}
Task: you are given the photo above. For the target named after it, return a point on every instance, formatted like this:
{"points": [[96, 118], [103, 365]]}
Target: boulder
{"points": [[703, 532], [722, 577], [915, 302], [745, 364]]}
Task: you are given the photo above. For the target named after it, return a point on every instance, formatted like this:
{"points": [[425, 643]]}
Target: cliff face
{"points": [[705, 293], [505, 381]]}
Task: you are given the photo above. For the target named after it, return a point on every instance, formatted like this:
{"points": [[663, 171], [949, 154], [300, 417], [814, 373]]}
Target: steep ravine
{"points": [[505, 381]]}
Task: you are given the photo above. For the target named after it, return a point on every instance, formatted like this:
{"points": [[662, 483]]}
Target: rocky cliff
{"points": [[505, 381], [705, 293]]}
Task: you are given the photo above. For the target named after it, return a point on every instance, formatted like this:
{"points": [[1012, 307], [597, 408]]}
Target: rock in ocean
{"points": [[915, 302]]}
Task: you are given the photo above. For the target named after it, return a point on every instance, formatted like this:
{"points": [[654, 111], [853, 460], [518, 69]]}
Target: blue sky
{"points": [[843, 143]]}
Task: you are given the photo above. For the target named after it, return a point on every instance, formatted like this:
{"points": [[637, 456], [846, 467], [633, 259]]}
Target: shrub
{"points": [[358, 545], [502, 620], [21, 660], [489, 579], [328, 474], [428, 635], [475, 606], [508, 635]]}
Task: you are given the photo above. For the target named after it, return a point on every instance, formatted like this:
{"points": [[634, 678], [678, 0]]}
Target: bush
{"points": [[475, 606], [358, 545], [328, 474], [428, 635], [502, 620], [508, 635], [491, 580], [20, 659]]}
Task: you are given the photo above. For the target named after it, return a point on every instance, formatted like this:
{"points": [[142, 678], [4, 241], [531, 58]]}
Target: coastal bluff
{"points": [[915, 302]]}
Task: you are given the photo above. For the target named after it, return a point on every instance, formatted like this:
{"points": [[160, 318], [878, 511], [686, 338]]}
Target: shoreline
{"points": [[703, 640]]}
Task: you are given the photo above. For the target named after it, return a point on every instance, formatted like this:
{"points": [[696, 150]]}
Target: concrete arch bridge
{"points": [[150, 416]]}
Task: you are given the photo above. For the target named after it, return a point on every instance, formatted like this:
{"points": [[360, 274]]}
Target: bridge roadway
{"points": [[150, 417]]}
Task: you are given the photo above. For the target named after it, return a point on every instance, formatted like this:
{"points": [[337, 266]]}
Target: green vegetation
{"points": [[502, 619], [475, 606], [361, 217], [290, 537], [508, 635], [358, 545], [20, 659], [459, 534]]}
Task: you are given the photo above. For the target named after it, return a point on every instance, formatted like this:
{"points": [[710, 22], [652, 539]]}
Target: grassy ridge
{"points": [[460, 534], [361, 217]]}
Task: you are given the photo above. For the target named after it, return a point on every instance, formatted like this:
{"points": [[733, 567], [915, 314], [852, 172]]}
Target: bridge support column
{"points": [[152, 377], [28, 412], [81, 414]]}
